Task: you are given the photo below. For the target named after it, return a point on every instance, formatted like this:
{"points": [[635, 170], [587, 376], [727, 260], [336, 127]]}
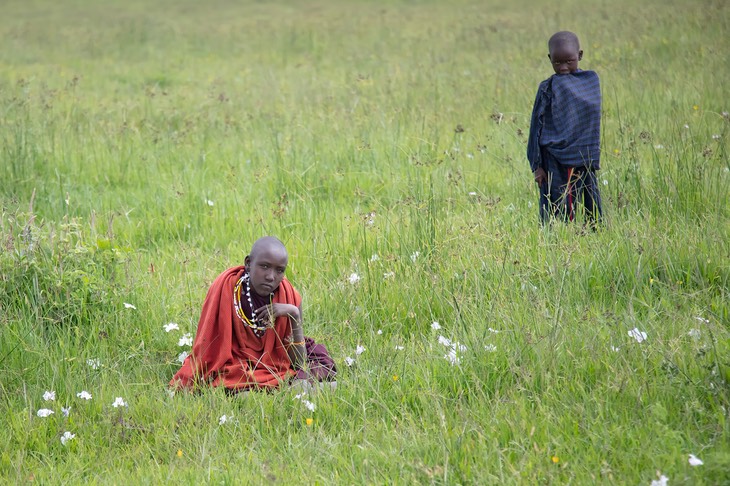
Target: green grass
{"points": [[333, 125]]}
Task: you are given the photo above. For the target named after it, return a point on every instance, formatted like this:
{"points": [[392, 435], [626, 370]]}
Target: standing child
{"points": [[565, 130]]}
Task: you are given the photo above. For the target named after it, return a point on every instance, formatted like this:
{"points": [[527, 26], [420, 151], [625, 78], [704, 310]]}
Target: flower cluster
{"points": [[186, 340], [307, 404], [349, 361], [50, 396], [454, 348]]}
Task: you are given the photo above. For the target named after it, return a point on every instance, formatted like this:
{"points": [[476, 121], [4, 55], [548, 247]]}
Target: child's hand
{"points": [[269, 313], [540, 176]]}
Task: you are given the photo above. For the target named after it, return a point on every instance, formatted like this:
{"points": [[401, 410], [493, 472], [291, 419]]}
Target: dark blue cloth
{"points": [[565, 188], [566, 121]]}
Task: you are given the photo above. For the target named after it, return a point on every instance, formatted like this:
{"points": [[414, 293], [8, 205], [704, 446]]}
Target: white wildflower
{"points": [[493, 331], [615, 349], [127, 305], [388, 275], [359, 350], [309, 405], [172, 327], [67, 436], [435, 325], [371, 218], [380, 331], [695, 461], [224, 418], [44, 412], [658, 146], [349, 361], [452, 358], [49, 396], [84, 395], [640, 336], [66, 411], [686, 126], [186, 340], [94, 363], [443, 340], [414, 256], [702, 319], [181, 357], [490, 347], [662, 481], [354, 278], [605, 182], [694, 333], [716, 137], [374, 257], [119, 402], [472, 193], [399, 348], [209, 202], [469, 156]]}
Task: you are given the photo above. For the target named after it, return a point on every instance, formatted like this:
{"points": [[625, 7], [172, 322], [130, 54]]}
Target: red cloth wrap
{"points": [[228, 353]]}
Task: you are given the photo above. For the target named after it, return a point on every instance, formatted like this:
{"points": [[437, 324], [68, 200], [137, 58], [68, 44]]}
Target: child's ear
{"points": [[247, 260], [580, 55], [549, 56]]}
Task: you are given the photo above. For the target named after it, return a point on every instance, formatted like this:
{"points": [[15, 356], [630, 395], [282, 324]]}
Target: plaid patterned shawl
{"points": [[566, 120]]}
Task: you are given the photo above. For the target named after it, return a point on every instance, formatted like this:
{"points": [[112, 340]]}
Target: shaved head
{"points": [[268, 244], [563, 38]]}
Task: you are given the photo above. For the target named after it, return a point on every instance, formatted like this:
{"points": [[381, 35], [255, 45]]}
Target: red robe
{"points": [[228, 353]]}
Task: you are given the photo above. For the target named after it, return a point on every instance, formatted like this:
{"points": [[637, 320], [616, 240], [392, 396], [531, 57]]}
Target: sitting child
{"points": [[250, 330]]}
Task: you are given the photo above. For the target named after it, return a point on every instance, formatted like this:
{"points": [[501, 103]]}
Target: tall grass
{"points": [[145, 147]]}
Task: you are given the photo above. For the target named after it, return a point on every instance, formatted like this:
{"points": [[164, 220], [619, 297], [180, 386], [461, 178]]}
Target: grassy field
{"points": [[145, 146]]}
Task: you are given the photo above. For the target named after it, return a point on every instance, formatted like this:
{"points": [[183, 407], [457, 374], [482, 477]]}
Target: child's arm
{"points": [[533, 142], [297, 350]]}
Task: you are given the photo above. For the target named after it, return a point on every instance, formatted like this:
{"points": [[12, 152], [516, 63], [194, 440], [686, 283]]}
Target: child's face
{"points": [[565, 57], [266, 269]]}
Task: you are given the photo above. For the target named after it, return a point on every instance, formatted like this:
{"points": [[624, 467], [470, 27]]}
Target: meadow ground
{"points": [[144, 146]]}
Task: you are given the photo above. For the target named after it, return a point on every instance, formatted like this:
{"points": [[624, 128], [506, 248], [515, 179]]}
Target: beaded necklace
{"points": [[259, 330]]}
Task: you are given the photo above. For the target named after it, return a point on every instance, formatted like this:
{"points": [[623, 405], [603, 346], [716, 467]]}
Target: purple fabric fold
{"points": [[320, 365]]}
